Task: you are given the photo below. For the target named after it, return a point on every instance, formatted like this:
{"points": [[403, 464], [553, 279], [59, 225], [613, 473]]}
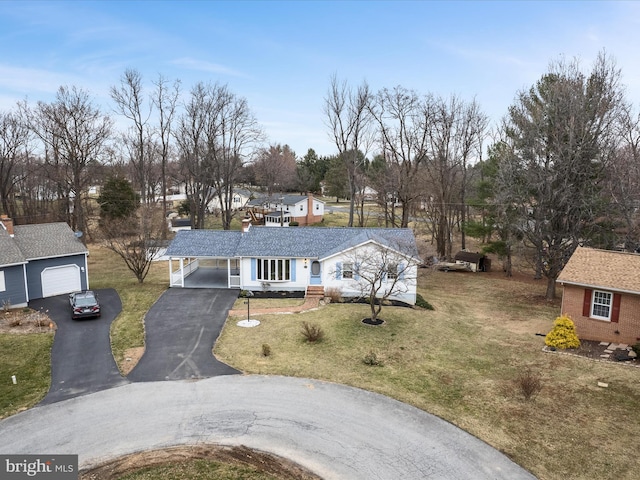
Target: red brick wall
{"points": [[628, 325]]}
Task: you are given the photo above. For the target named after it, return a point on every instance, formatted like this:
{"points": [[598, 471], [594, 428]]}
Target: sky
{"points": [[280, 56]]}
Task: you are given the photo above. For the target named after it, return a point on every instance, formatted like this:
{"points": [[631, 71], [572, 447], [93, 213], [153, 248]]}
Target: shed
{"points": [[478, 262]]}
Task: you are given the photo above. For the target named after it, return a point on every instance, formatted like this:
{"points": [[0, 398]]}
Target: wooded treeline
{"points": [[560, 169]]}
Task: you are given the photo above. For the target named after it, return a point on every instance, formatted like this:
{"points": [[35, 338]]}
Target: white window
{"points": [[273, 269], [347, 270], [392, 271], [3, 286], [601, 305]]}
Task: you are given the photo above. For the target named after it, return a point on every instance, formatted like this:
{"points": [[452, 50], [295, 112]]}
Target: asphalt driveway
{"points": [[336, 431], [81, 358], [181, 328]]}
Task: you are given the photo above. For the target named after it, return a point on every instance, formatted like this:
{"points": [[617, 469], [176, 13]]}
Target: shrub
{"points": [[294, 224], [529, 383], [372, 359], [335, 294], [636, 348], [311, 332], [563, 335], [266, 350], [422, 303], [16, 322]]}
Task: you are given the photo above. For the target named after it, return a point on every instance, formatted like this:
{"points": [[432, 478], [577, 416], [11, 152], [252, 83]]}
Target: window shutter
{"points": [[293, 269], [253, 269], [338, 270], [586, 303], [401, 269], [615, 312]]}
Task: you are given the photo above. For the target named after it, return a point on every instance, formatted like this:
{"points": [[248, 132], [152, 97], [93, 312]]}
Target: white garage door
{"points": [[59, 280]]}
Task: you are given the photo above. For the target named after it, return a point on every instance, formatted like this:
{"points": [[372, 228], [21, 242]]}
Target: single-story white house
{"points": [[297, 259], [38, 261]]}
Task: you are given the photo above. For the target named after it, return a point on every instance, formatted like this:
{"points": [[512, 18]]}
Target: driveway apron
{"points": [[81, 358], [181, 328]]}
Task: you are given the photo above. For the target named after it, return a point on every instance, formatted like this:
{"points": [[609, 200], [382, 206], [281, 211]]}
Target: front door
{"points": [[316, 277]]}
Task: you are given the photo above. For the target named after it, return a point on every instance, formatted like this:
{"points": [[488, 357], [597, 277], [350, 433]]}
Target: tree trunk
{"points": [[551, 289]]}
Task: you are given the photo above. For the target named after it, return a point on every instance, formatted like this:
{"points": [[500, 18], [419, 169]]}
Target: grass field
{"points": [[461, 362], [28, 358]]}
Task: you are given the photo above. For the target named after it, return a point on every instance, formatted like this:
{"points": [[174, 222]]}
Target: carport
{"points": [[204, 259]]}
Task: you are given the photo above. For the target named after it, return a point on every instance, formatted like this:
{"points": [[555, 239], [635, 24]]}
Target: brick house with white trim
{"points": [[601, 294]]}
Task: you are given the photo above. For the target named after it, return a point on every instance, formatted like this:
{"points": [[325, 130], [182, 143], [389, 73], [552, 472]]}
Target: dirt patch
{"points": [[265, 462], [131, 358], [25, 321]]}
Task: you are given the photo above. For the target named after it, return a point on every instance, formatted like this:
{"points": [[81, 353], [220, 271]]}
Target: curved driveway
{"points": [[81, 358], [338, 432]]}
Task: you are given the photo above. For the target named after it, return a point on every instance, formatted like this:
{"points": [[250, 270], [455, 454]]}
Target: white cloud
{"points": [[204, 66]]}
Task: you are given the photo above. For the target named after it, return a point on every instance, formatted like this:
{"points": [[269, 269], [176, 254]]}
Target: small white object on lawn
{"points": [[603, 385], [13, 379], [248, 323]]}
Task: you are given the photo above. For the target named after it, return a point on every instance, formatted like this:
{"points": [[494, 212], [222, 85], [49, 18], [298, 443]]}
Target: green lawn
{"points": [[461, 362], [28, 358]]}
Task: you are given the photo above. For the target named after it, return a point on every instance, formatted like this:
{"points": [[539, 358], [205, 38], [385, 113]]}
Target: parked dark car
{"points": [[84, 304]]}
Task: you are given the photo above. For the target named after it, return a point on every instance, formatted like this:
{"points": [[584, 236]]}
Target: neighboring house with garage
{"points": [[38, 261], [297, 259], [601, 294]]}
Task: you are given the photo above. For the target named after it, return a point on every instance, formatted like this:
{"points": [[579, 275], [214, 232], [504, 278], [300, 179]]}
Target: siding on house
{"points": [[628, 324], [35, 268], [14, 291]]}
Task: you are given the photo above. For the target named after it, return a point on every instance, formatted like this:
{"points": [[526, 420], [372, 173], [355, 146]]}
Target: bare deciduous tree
{"points": [[14, 140], [216, 134], [380, 273], [455, 132], [130, 102], [275, 168], [349, 119], [73, 132], [165, 99], [136, 238], [404, 122]]}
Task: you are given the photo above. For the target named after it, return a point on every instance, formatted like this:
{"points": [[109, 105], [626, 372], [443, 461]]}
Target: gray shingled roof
{"points": [[297, 242], [30, 242], [204, 243], [10, 254], [47, 240]]}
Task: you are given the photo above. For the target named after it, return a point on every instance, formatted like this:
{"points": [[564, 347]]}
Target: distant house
{"points": [[38, 261], [281, 210], [601, 294], [303, 259]]}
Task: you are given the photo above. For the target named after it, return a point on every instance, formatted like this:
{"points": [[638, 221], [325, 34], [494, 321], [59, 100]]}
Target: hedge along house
{"points": [[38, 261], [601, 294], [297, 259]]}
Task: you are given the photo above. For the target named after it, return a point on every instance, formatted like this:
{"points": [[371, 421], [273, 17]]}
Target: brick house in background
{"points": [[601, 294]]}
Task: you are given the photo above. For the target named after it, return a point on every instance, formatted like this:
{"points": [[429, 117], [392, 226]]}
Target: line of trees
{"points": [[561, 169]]}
